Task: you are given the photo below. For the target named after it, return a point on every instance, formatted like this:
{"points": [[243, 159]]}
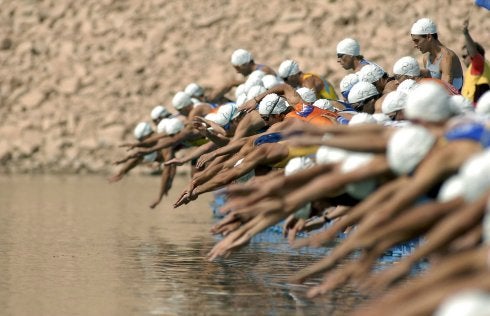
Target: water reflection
{"points": [[79, 246], [179, 280]]}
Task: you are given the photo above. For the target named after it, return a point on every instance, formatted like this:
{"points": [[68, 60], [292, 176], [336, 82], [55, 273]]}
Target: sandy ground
{"points": [[76, 76]]}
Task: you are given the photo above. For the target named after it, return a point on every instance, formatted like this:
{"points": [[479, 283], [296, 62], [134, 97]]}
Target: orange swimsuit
{"points": [[313, 115]]}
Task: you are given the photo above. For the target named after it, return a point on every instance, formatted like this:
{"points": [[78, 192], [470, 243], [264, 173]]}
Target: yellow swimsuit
{"points": [[296, 152], [196, 142], [328, 92]]}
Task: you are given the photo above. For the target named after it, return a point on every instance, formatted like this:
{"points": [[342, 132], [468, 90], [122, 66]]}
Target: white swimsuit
{"points": [[435, 72]]}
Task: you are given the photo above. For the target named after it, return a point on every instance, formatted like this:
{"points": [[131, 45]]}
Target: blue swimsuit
{"points": [[470, 131]]}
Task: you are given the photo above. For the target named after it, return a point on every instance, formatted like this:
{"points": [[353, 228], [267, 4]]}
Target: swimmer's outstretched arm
{"points": [[147, 142], [166, 142], [232, 147], [360, 129], [324, 185], [249, 125], [440, 163], [194, 154], [439, 237], [166, 177], [460, 263], [407, 226], [203, 125], [274, 209], [265, 154], [355, 214], [362, 142], [278, 185], [130, 164]]}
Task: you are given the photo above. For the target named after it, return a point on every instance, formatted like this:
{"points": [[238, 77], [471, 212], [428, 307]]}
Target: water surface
{"points": [[76, 245]]}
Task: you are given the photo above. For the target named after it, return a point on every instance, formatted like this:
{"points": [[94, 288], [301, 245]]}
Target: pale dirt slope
{"points": [[76, 76]]}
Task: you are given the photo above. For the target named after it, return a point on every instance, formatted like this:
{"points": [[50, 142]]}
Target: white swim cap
{"points": [[451, 188], [307, 94], [327, 154], [470, 302], [252, 82], [142, 130], [221, 119], [255, 91], [270, 81], [370, 73], [474, 173], [423, 26], [241, 99], [194, 90], [240, 89], [361, 91], [475, 164], [360, 189], [173, 126], [161, 126], [195, 101], [407, 147], [228, 111], [272, 104], [349, 46], [240, 57], [381, 118], [407, 85], [394, 101], [407, 66], [297, 164], [213, 117], [459, 104], [483, 104], [256, 74], [428, 102], [288, 68], [324, 104], [362, 118], [159, 112], [181, 100], [348, 81]]}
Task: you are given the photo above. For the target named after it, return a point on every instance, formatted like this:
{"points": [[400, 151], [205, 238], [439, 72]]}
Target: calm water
{"points": [[76, 245]]}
